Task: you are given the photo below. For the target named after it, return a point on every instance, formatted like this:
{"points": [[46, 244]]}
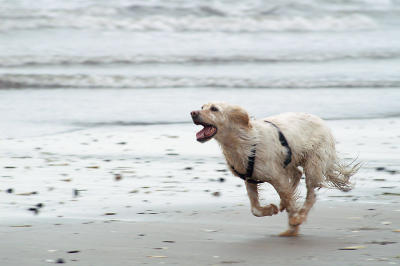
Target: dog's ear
{"points": [[239, 116]]}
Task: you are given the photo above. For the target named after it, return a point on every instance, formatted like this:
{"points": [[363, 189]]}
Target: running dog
{"points": [[272, 150]]}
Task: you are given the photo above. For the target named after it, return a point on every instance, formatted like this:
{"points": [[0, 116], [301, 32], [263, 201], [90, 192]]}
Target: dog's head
{"points": [[219, 119]]}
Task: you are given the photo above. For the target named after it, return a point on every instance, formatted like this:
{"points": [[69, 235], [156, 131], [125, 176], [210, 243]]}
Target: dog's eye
{"points": [[214, 109]]}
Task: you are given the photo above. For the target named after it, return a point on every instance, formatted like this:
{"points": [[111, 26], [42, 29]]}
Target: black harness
{"points": [[250, 168], [252, 157], [285, 144]]}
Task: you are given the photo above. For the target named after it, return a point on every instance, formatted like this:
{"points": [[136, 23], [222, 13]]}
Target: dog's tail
{"points": [[338, 175]]}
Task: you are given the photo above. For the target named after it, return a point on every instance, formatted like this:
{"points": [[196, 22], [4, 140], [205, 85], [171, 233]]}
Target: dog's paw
{"points": [[294, 231], [265, 211], [257, 212], [274, 209]]}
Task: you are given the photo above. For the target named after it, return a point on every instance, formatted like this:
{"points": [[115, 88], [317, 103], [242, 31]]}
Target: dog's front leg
{"points": [[288, 199], [256, 209]]}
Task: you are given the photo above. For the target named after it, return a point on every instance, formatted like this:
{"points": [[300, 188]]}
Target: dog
{"points": [[272, 150]]}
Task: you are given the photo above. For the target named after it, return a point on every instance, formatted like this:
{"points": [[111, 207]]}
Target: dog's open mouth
{"points": [[206, 133]]}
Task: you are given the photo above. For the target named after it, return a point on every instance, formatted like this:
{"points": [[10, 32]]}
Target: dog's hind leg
{"points": [[314, 177], [256, 209], [295, 176]]}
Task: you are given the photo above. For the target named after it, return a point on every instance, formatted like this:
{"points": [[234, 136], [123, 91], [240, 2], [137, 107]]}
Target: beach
{"points": [[99, 164], [132, 195], [339, 233]]}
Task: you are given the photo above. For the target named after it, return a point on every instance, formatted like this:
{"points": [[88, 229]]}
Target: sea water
{"points": [[70, 65]]}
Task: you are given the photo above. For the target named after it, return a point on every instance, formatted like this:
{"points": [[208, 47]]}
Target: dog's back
{"points": [[305, 133], [312, 142]]}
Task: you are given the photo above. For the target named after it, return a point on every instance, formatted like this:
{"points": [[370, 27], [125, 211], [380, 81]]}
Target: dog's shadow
{"points": [[285, 247]]}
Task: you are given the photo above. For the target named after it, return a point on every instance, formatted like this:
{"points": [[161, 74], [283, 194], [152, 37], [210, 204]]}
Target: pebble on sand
{"points": [[27, 193], [382, 243], [60, 260], [34, 210], [73, 251], [352, 248], [390, 194], [20, 226], [210, 230], [117, 177]]}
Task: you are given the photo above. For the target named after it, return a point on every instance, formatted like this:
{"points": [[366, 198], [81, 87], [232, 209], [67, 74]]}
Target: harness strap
{"points": [[284, 143], [250, 168], [252, 157]]}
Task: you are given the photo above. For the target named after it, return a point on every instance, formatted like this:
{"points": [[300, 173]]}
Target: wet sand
{"points": [[336, 234], [152, 195]]}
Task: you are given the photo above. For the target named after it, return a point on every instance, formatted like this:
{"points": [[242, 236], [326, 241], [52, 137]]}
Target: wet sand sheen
{"points": [[337, 233], [117, 193]]}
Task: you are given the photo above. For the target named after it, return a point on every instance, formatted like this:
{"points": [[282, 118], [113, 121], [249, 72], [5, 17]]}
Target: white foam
{"points": [[196, 23], [118, 81], [314, 56]]}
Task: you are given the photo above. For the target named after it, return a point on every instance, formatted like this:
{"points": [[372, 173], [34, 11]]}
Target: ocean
{"points": [[71, 65]]}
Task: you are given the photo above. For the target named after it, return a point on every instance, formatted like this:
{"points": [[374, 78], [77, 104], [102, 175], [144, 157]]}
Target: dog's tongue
{"points": [[206, 132]]}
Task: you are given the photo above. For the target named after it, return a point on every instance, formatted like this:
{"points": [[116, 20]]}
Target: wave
{"points": [[199, 15], [18, 81], [173, 10], [195, 23], [199, 8], [21, 61]]}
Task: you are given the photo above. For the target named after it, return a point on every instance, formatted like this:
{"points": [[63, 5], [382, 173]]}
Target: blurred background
{"points": [[69, 65]]}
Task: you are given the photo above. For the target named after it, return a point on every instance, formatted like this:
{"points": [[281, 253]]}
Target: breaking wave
{"points": [[12, 81], [194, 23], [18, 61]]}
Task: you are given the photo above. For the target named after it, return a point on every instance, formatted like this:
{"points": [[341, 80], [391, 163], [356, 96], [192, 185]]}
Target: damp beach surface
{"points": [[151, 194]]}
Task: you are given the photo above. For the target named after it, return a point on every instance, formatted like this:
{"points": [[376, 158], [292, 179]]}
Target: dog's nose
{"points": [[194, 114]]}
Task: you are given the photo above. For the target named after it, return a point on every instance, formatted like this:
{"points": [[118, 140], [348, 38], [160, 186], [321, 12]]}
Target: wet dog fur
{"points": [[311, 143]]}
